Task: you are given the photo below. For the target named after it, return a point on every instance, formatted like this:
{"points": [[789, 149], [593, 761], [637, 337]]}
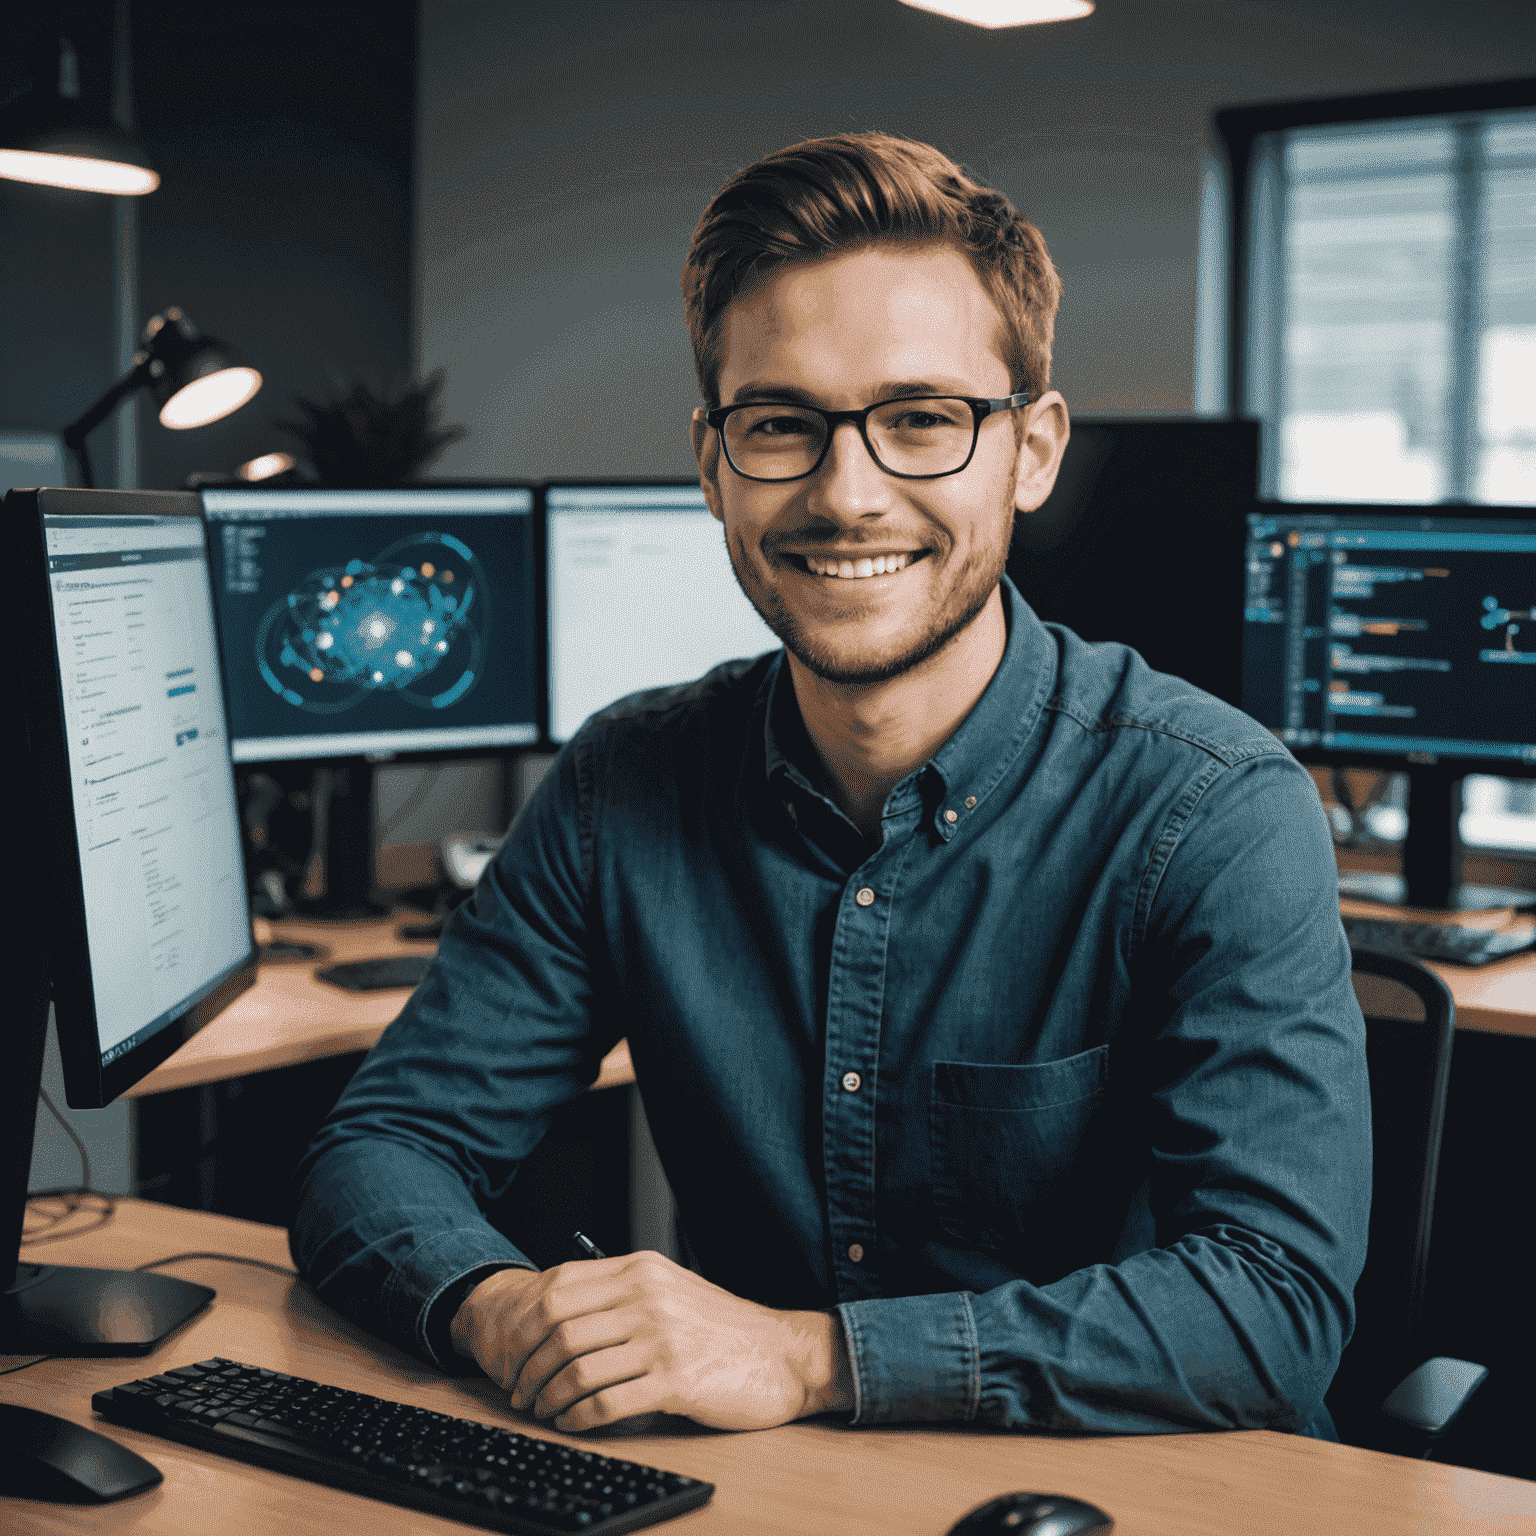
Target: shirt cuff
{"points": [[913, 1357], [434, 1265], [437, 1330]]}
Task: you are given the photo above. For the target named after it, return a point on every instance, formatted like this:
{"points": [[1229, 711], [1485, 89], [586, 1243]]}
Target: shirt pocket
{"points": [[1011, 1144]]}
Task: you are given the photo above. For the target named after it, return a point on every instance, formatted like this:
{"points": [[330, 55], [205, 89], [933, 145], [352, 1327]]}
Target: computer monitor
{"points": [[641, 594], [1138, 540], [1400, 637], [372, 625], [138, 925]]}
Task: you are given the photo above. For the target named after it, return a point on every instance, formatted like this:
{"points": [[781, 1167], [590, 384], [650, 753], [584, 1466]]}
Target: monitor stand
{"points": [[344, 808], [52, 1309], [1432, 856]]}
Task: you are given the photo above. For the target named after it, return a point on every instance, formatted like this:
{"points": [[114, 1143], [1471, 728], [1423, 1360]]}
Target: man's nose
{"points": [[849, 485]]}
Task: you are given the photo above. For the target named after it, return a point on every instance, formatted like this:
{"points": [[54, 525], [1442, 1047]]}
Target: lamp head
{"points": [[51, 137], [195, 379]]}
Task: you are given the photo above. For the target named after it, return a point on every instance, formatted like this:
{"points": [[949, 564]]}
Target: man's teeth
{"points": [[881, 565]]}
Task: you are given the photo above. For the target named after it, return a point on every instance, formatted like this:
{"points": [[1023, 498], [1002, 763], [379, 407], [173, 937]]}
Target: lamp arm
{"points": [[92, 417]]}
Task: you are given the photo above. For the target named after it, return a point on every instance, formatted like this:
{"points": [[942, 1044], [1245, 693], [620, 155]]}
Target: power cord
{"points": [[228, 1258], [74, 1197]]}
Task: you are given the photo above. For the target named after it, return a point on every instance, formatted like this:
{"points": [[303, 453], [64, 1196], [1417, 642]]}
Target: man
{"points": [[986, 989]]}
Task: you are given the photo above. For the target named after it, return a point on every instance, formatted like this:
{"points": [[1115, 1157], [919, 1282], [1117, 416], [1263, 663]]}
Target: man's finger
{"points": [[573, 1291], [576, 1336], [587, 1374], [626, 1400]]}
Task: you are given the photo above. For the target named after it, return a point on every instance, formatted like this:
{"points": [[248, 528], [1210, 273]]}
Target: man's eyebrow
{"points": [[903, 389]]}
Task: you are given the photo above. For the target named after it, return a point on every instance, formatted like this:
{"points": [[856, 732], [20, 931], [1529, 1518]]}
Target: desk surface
{"points": [[802, 1479], [289, 1017]]}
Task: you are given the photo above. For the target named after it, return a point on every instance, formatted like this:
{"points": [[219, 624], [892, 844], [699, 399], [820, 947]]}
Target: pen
{"points": [[588, 1247]]}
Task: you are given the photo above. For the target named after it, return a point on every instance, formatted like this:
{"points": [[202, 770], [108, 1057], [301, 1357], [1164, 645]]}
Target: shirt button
{"points": [[865, 897], [852, 1081], [970, 802], [951, 816], [856, 1252]]}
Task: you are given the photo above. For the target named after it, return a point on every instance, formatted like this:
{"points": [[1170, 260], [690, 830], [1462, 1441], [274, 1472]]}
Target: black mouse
{"points": [[42, 1457], [1032, 1514]]}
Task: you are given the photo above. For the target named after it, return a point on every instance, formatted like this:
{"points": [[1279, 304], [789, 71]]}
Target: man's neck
{"points": [[869, 737]]}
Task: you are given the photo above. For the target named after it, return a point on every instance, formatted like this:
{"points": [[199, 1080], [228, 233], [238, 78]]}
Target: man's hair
{"points": [[839, 193]]}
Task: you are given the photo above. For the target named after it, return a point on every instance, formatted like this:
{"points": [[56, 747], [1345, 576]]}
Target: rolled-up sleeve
{"points": [[1258, 1118], [460, 1087]]}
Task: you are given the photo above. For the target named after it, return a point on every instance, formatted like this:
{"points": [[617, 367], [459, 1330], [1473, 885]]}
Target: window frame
{"points": [[1240, 130]]}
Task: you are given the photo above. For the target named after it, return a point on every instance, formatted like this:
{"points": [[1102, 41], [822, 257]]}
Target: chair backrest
{"points": [[1410, 1023]]}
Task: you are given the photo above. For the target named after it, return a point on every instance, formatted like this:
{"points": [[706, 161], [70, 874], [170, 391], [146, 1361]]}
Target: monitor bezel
{"points": [[88, 1084], [404, 757], [1458, 764]]}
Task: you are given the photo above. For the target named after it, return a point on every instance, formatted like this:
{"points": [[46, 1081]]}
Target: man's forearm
{"points": [[380, 1229]]}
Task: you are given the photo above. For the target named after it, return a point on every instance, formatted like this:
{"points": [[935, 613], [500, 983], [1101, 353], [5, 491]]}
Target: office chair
{"points": [[1386, 1395]]}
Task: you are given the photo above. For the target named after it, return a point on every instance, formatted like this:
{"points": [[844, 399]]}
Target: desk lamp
{"points": [[50, 137], [194, 379]]}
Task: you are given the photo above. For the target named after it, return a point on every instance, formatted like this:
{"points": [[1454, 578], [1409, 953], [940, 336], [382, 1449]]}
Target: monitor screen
{"points": [[641, 595], [376, 622], [155, 825], [1393, 633]]}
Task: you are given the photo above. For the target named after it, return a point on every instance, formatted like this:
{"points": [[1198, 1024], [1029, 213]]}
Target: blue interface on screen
{"points": [[1393, 633], [375, 621]]}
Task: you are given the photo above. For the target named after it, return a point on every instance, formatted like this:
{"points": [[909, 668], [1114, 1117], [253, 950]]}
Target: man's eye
{"points": [[779, 426]]}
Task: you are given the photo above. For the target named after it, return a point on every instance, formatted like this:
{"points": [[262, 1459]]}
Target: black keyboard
{"points": [[478, 1473], [1437, 941], [377, 975]]}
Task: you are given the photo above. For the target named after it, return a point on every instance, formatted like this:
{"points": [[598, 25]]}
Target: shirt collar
{"points": [[969, 766]]}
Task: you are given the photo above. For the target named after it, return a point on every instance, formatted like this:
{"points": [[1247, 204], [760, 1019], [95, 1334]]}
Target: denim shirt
{"points": [[1057, 1095]]}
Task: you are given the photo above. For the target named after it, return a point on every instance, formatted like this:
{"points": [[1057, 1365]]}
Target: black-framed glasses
{"points": [[922, 437]]}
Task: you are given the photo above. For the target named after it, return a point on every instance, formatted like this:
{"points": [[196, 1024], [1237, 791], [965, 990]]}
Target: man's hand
{"points": [[589, 1343]]}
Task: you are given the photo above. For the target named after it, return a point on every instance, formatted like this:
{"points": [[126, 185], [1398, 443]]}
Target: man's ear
{"points": [[706, 449], [1046, 431]]}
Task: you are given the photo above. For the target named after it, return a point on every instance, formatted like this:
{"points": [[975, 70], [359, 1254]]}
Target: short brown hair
{"points": [[849, 190]]}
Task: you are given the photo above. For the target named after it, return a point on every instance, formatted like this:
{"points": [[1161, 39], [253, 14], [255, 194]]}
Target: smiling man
{"points": [[986, 989]]}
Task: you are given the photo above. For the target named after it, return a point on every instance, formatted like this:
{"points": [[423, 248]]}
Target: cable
{"points": [[11, 1370], [69, 1130], [74, 1201], [229, 1258]]}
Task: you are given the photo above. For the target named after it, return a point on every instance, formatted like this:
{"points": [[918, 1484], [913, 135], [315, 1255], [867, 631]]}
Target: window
{"points": [[1392, 350], [1382, 292]]}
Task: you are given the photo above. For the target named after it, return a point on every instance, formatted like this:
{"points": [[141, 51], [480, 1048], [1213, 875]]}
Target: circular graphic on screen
{"points": [[406, 623]]}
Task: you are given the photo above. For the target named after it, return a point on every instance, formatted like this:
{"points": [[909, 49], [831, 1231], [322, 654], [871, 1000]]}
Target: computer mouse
{"points": [[43, 1457], [1032, 1514]]}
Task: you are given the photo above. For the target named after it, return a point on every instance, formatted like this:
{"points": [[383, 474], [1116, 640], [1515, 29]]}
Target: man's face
{"points": [[842, 333]]}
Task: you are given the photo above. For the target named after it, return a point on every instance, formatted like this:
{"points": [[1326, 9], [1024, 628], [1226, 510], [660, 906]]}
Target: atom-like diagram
{"points": [[405, 623]]}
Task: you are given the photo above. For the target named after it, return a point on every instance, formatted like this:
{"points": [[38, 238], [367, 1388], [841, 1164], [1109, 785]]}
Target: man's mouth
{"points": [[858, 568]]}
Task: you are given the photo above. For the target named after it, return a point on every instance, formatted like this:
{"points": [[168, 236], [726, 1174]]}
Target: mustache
{"points": [[778, 542]]}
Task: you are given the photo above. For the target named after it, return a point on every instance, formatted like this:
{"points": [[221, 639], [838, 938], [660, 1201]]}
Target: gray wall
{"points": [[564, 157]]}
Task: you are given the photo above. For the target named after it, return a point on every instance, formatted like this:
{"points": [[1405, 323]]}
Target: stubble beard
{"points": [[972, 587]]}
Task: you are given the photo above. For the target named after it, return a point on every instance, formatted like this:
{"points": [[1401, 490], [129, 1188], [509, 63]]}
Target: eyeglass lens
{"points": [[929, 436]]}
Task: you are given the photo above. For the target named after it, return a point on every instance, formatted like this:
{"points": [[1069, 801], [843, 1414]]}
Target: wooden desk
{"points": [[1497, 999], [289, 1017], [801, 1480]]}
